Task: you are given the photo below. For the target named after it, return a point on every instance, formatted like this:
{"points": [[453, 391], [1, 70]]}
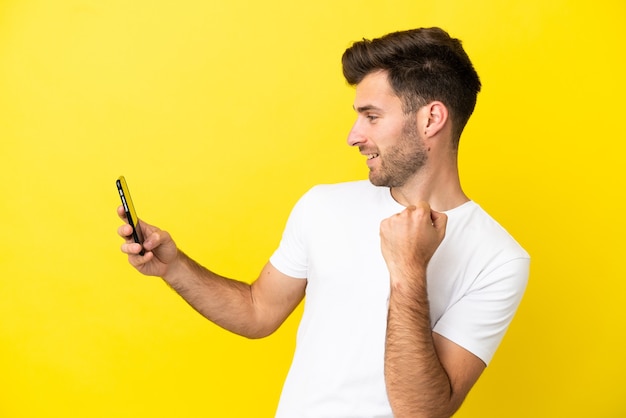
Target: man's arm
{"points": [[426, 375], [253, 311]]}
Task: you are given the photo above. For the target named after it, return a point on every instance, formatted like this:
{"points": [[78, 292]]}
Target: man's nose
{"points": [[355, 137]]}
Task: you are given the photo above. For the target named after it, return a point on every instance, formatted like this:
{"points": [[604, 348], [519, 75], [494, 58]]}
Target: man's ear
{"points": [[433, 118]]}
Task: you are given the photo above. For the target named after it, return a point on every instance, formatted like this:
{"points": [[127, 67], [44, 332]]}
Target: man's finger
{"points": [[439, 219]]}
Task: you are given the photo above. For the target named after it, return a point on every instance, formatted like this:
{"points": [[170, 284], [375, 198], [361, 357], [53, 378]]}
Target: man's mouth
{"points": [[370, 156]]}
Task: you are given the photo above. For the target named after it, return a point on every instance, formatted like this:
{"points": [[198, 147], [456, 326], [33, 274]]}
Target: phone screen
{"points": [[129, 208]]}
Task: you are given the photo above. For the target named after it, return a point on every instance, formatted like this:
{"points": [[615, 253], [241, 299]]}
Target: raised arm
{"points": [[253, 311], [426, 375]]}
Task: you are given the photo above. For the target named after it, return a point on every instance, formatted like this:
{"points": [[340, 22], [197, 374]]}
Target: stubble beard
{"points": [[401, 161]]}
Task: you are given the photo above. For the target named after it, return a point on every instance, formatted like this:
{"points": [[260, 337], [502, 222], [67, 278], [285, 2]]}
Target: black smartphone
{"points": [[129, 208]]}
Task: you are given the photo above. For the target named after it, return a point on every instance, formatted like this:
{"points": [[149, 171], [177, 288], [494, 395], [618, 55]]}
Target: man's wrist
{"points": [[176, 268]]}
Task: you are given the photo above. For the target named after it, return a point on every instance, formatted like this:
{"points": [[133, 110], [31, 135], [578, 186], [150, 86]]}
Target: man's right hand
{"points": [[160, 250]]}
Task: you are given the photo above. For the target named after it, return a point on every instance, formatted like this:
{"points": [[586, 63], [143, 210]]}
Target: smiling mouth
{"points": [[370, 156]]}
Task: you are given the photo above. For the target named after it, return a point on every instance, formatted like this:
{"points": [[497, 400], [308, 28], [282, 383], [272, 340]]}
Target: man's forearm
{"points": [[417, 383], [226, 302]]}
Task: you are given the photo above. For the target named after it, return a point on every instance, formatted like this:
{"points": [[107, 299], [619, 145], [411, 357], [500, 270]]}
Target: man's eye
{"points": [[372, 118]]}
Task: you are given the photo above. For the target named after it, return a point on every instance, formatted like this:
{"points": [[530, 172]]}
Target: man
{"points": [[409, 284]]}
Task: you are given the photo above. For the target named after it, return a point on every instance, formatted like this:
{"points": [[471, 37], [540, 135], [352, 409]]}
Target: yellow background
{"points": [[221, 114]]}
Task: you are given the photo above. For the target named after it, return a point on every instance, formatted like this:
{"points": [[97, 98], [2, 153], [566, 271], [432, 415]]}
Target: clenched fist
{"points": [[409, 239]]}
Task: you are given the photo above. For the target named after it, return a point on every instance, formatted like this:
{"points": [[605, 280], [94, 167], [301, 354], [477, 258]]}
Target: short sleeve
{"points": [[479, 320], [290, 257]]}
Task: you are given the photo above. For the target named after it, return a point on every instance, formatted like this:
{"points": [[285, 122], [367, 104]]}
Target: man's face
{"points": [[385, 134]]}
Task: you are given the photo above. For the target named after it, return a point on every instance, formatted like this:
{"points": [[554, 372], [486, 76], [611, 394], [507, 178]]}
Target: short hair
{"points": [[423, 65]]}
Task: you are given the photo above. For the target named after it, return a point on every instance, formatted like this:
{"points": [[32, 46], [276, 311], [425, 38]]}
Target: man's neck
{"points": [[441, 189]]}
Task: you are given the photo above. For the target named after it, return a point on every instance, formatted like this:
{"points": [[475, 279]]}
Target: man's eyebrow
{"points": [[366, 108]]}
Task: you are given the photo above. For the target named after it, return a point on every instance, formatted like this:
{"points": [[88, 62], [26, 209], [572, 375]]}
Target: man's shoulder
{"points": [[350, 190], [475, 223], [347, 198], [345, 187]]}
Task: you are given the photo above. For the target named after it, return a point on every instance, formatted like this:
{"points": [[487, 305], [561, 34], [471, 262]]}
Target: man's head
{"points": [[422, 65]]}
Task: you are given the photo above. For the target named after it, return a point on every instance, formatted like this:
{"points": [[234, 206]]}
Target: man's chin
{"points": [[377, 181]]}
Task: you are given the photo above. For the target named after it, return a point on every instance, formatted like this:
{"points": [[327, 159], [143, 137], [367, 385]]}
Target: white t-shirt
{"points": [[476, 279]]}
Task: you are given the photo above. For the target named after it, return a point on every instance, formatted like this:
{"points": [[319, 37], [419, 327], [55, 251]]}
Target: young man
{"points": [[409, 284]]}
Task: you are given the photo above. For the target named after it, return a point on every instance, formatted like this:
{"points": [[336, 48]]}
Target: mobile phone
{"points": [[129, 208]]}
